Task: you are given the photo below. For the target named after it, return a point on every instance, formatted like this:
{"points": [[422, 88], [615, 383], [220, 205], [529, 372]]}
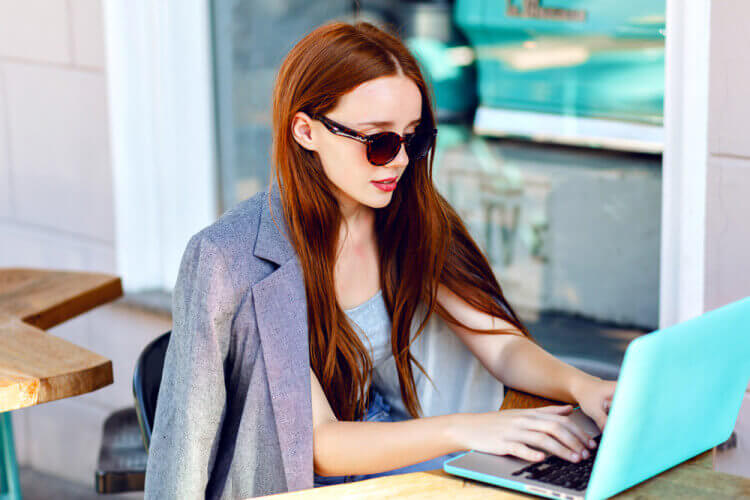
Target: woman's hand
{"points": [[516, 431], [594, 396]]}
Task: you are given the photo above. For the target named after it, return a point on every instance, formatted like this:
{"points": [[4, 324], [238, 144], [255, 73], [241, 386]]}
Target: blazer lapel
{"points": [[281, 311]]}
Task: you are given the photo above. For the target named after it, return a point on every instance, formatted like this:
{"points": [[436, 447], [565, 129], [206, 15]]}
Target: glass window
{"points": [[251, 38]]}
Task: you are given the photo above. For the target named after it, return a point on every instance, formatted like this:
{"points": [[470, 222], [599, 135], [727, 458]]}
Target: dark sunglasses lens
{"points": [[419, 144], [383, 148]]}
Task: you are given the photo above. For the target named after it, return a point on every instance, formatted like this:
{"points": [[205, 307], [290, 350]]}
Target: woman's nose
{"points": [[401, 159]]}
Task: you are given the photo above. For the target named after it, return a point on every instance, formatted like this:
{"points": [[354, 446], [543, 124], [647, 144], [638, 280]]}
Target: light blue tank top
{"points": [[372, 317]]}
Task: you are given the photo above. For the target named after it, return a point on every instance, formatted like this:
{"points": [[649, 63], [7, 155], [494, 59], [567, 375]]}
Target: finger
{"points": [[549, 443], [559, 429], [581, 434], [524, 452], [567, 432], [600, 418]]}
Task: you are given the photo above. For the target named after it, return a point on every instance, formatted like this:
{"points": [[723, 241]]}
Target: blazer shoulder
{"points": [[234, 234], [242, 220]]}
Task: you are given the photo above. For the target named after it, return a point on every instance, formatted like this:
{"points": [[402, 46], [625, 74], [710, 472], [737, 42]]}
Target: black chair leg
{"points": [[122, 456]]}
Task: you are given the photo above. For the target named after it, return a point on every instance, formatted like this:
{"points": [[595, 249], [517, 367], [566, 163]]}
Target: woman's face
{"points": [[395, 102]]}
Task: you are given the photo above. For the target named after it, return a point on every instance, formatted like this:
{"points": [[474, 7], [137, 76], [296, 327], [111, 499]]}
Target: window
{"points": [[251, 38]]}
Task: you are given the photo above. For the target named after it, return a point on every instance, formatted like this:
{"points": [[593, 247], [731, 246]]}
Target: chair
{"points": [[146, 382], [126, 432]]}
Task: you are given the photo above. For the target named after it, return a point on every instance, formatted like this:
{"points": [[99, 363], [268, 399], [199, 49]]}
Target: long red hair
{"points": [[421, 239]]}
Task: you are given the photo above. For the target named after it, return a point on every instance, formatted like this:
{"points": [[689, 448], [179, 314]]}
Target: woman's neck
{"points": [[357, 227]]}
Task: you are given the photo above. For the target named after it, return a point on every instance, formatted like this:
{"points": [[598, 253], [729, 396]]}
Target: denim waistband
{"points": [[378, 405]]}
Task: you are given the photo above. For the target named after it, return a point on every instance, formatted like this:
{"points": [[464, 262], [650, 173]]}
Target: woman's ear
{"points": [[302, 131]]}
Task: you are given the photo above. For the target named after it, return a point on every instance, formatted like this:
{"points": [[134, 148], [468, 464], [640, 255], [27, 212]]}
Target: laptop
{"points": [[678, 394]]}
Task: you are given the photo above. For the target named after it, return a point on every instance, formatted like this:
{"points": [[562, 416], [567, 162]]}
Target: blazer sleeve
{"points": [[192, 395]]}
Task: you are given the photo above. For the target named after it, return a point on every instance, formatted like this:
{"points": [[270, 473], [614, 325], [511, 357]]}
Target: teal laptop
{"points": [[678, 394]]}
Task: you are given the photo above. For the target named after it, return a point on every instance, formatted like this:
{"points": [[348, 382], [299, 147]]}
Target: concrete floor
{"points": [[37, 485]]}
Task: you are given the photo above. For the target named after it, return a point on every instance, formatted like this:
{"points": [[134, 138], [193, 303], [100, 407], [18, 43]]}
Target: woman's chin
{"points": [[381, 200]]}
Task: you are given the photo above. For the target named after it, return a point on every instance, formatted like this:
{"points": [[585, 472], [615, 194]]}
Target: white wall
{"points": [[727, 266], [706, 172], [57, 210], [728, 168]]}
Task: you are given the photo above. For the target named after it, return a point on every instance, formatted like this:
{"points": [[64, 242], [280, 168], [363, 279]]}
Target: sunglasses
{"points": [[384, 146]]}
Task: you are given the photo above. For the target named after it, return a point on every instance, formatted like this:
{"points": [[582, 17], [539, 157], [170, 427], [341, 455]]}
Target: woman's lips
{"points": [[386, 186]]}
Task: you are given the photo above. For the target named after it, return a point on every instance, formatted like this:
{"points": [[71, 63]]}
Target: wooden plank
{"points": [[439, 485], [516, 399], [37, 367], [435, 484], [45, 298]]}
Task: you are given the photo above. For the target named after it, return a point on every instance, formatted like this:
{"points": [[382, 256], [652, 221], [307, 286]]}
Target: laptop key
{"points": [[560, 472]]}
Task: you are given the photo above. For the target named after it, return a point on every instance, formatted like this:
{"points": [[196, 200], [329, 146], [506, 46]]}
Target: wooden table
{"points": [[37, 367], [694, 479]]}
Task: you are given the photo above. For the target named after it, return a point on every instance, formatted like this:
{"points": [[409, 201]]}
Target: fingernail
{"points": [[592, 443], [585, 454], [574, 456]]}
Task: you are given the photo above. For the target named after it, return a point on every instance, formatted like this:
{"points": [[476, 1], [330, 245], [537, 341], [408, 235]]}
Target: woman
{"points": [[267, 378]]}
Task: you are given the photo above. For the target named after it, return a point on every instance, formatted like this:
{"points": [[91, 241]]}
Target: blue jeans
{"points": [[379, 411]]}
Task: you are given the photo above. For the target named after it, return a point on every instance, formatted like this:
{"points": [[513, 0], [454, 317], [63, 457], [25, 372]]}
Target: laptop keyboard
{"points": [[560, 472]]}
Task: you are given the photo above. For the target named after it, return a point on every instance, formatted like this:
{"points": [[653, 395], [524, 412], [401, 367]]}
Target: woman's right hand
{"points": [[516, 431]]}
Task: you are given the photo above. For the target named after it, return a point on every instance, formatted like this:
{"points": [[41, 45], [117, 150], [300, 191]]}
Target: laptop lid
{"points": [[678, 394]]}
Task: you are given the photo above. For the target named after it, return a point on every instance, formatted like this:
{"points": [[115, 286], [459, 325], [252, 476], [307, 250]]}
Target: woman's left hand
{"points": [[594, 396]]}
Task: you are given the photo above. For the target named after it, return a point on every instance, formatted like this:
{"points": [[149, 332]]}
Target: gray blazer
{"points": [[234, 415]]}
